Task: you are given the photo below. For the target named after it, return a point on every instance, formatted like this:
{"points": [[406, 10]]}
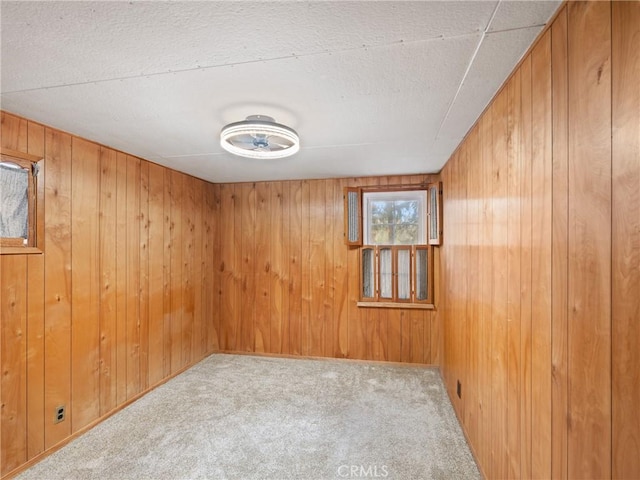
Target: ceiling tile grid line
{"points": [[472, 59]]}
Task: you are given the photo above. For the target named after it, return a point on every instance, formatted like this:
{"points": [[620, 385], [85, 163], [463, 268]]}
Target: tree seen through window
{"points": [[394, 222]]}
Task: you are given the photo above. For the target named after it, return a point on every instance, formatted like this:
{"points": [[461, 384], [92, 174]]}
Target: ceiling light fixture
{"points": [[259, 136]]}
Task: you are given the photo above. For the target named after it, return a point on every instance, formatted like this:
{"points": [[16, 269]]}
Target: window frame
{"points": [[35, 197]]}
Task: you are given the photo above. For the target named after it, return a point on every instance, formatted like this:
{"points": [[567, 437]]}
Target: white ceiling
{"points": [[372, 87]]}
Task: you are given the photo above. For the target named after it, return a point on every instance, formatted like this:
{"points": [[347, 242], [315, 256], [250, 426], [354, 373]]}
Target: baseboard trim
{"points": [[464, 430], [329, 359]]}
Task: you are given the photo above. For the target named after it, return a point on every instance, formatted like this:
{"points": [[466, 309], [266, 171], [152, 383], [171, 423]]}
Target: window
{"points": [[396, 238], [18, 202]]}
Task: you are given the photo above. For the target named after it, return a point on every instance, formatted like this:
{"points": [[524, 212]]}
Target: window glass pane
{"points": [[367, 273], [14, 201], [395, 218], [421, 274], [380, 235], [386, 274], [404, 277]]}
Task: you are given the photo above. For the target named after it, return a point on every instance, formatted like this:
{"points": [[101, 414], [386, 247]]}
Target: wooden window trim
{"points": [[408, 306], [14, 246]]}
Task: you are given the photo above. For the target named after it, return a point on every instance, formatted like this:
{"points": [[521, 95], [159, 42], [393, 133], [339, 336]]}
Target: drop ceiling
{"points": [[371, 87]]}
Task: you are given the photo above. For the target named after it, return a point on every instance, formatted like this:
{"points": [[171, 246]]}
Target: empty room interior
{"points": [[318, 239]]}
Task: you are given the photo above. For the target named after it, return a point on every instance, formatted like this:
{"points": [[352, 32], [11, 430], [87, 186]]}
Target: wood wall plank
{"points": [[166, 273], [262, 335], [199, 334], [35, 312], [177, 291], [559, 279], [514, 242], [525, 270], [85, 281], [188, 289], [132, 322], [500, 286], [57, 284], [625, 359], [295, 268], [215, 342], [246, 321], [121, 278], [541, 189], [589, 224], [107, 242], [13, 333], [156, 274], [317, 262], [486, 293], [143, 299]]}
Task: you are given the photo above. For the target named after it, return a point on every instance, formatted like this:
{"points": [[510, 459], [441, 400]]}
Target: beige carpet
{"points": [[243, 417]]}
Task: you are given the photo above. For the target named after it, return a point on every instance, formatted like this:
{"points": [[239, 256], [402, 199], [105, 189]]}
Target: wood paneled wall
{"points": [[287, 283], [541, 262], [120, 299], [146, 270]]}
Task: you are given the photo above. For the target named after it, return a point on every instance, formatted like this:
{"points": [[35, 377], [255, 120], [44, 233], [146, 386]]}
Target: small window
{"points": [[18, 202]]}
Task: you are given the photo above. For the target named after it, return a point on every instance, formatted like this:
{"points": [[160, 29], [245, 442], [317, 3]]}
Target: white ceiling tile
{"points": [[367, 85]]}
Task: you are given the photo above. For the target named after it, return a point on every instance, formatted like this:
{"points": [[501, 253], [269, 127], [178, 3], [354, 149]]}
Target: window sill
{"points": [[20, 251], [416, 306]]}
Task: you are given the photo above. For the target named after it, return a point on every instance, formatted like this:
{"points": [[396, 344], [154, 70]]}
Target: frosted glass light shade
{"points": [[259, 137]]}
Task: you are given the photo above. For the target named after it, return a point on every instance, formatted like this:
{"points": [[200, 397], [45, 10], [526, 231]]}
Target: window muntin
{"points": [[395, 218]]}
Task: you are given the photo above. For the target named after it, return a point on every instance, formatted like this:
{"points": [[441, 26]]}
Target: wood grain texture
{"points": [[107, 280], [156, 274], [84, 324], [143, 300], [589, 243], [571, 263], [262, 325], [176, 287], [132, 321], [35, 312], [279, 240], [121, 278], [526, 232], [85, 281], [541, 190], [626, 239], [13, 332], [57, 284], [187, 283], [514, 242], [559, 279]]}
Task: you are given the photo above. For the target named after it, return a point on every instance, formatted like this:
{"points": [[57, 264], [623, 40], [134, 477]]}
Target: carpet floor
{"points": [[244, 417]]}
